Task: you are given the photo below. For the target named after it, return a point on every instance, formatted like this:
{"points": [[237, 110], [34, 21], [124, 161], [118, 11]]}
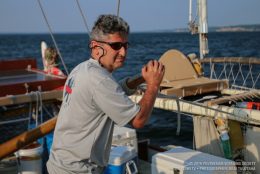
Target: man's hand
{"points": [[153, 73]]}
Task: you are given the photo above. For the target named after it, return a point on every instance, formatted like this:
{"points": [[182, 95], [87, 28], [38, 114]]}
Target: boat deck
{"points": [[22, 76]]}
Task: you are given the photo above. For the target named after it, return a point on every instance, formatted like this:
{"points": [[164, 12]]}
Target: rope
{"points": [[53, 39], [40, 98], [249, 73], [36, 109], [222, 71], [46, 110], [231, 70], [210, 65], [256, 81], [225, 66], [234, 82], [30, 115], [83, 17], [212, 70], [239, 75]]}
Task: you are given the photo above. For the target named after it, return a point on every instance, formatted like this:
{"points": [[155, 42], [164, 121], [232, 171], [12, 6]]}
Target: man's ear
{"points": [[92, 44], [100, 50]]}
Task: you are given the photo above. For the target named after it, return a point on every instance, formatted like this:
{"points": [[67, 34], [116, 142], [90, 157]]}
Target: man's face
{"points": [[114, 50]]}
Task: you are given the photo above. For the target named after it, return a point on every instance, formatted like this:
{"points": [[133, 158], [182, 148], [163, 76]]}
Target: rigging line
{"points": [[254, 85], [118, 8], [53, 39], [36, 109], [83, 17], [40, 99], [47, 111], [30, 115], [193, 21], [250, 70]]}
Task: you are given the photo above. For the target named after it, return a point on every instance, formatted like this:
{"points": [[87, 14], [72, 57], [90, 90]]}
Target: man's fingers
{"points": [[144, 69], [161, 67], [150, 63], [154, 66]]}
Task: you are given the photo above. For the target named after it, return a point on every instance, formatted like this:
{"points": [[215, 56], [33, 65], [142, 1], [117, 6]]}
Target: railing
{"points": [[242, 73]]}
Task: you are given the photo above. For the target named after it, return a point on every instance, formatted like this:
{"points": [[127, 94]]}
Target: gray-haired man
{"points": [[93, 101]]}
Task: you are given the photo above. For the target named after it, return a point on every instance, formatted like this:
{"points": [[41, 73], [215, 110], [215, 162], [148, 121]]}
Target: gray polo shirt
{"points": [[92, 102]]}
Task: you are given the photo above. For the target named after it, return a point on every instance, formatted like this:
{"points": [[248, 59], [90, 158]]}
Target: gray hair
{"points": [[109, 24]]}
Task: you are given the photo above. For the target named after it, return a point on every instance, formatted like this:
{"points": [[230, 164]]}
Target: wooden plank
{"points": [[30, 97], [26, 138], [194, 87]]}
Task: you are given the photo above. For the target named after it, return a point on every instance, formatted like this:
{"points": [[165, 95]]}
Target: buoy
{"points": [[196, 63]]}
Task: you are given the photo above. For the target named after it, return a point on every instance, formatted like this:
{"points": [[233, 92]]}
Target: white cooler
{"points": [[122, 159], [180, 160], [123, 136]]}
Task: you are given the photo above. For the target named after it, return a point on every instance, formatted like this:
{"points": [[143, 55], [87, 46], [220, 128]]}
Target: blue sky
{"points": [[24, 16]]}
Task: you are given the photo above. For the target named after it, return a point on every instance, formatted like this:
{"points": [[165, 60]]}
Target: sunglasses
{"points": [[116, 45]]}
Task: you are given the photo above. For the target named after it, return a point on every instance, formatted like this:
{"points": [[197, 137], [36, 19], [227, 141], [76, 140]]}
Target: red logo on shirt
{"points": [[68, 89]]}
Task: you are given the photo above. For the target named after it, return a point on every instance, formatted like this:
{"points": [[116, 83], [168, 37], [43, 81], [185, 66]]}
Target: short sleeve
{"points": [[112, 100], [123, 84]]}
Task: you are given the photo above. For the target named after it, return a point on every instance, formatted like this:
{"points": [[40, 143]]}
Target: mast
{"points": [[201, 27]]}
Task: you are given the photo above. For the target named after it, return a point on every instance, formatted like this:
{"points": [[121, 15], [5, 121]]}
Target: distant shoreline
{"points": [[236, 28]]}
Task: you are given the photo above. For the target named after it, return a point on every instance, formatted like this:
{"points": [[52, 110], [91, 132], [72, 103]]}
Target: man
{"points": [[93, 101]]}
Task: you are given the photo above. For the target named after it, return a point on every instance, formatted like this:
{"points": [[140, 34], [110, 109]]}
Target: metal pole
{"points": [[118, 8], [190, 11], [203, 28]]}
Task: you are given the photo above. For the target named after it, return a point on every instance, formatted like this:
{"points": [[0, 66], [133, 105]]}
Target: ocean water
{"points": [[161, 129]]}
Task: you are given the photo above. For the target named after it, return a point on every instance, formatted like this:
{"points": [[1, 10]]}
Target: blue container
{"points": [[49, 140], [122, 159]]}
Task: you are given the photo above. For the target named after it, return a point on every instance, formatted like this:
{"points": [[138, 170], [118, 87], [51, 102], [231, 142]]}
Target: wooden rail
{"points": [[241, 60], [26, 138], [30, 97]]}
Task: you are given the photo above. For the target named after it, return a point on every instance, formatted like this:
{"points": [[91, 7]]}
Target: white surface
{"points": [[189, 161], [123, 136], [121, 154], [43, 48], [32, 164], [30, 152], [252, 153]]}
